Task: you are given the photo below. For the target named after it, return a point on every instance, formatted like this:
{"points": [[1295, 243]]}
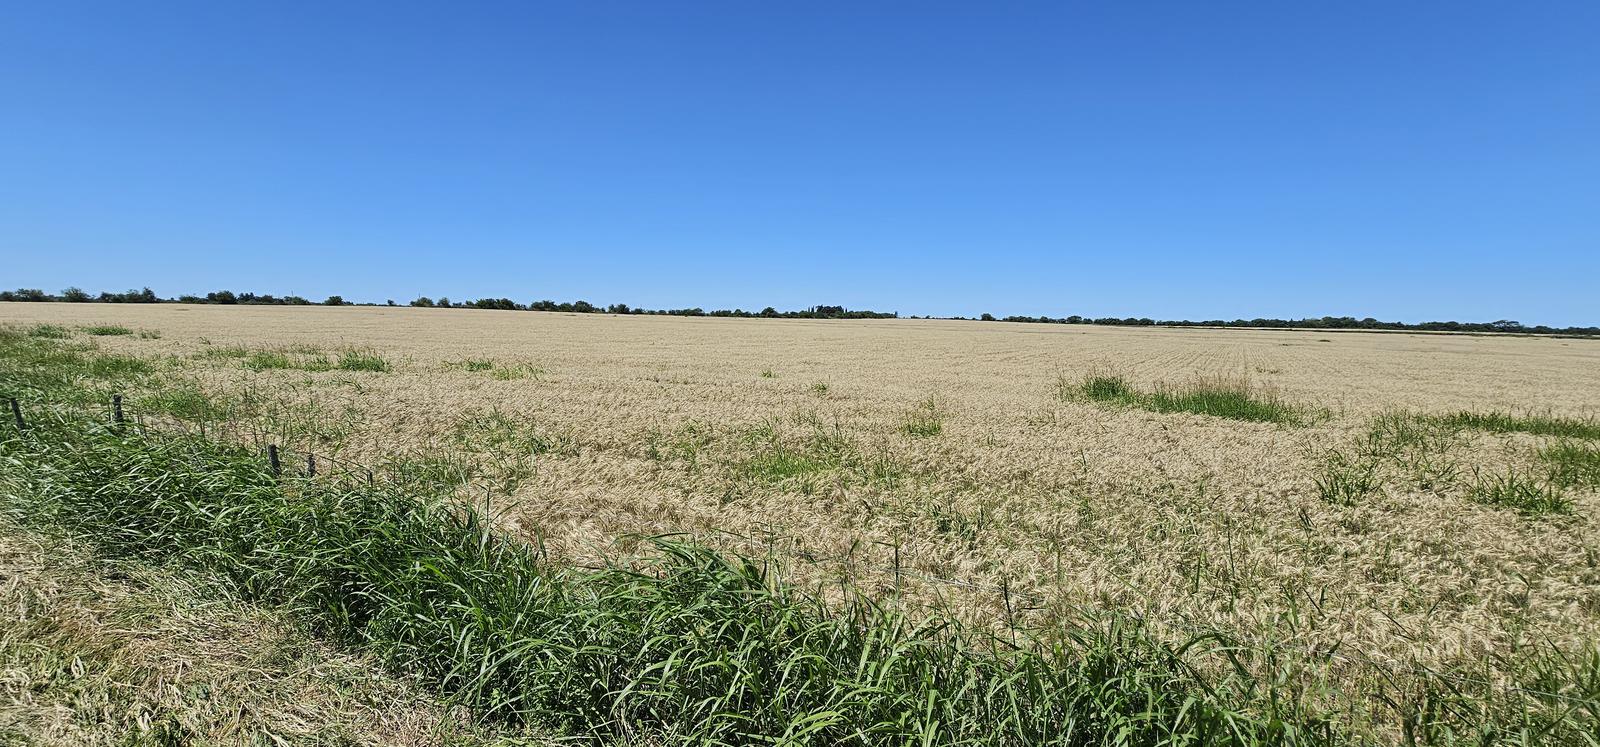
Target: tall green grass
{"points": [[1222, 398], [225, 352], [693, 646], [1426, 451], [1344, 479], [109, 366], [50, 331], [774, 459], [32, 365], [310, 359], [1107, 388], [1572, 463], [269, 360], [1538, 425], [1234, 399], [362, 360], [1521, 490]]}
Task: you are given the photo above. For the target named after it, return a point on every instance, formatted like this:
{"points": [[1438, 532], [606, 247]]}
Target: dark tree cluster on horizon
{"points": [[584, 307], [1503, 326], [226, 297]]}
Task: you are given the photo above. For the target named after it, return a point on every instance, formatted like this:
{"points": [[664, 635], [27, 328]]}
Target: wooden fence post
{"points": [[1005, 595], [897, 569], [272, 460]]}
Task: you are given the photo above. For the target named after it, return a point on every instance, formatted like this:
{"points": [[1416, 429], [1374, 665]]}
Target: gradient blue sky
{"points": [[1408, 161]]}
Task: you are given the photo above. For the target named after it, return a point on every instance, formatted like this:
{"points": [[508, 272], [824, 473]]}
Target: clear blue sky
{"points": [[1409, 161]]}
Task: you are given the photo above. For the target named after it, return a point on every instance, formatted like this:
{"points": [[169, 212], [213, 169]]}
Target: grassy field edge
{"points": [[685, 643], [96, 652], [173, 499]]}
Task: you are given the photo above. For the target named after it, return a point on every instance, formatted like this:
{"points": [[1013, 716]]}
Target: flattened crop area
{"points": [[1402, 503]]}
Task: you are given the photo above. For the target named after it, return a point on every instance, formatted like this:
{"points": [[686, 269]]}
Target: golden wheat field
{"points": [[958, 463]]}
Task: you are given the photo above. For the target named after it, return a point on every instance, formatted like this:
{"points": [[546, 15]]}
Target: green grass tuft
{"points": [[311, 359], [1538, 425], [1396, 430], [497, 431], [782, 463], [1345, 480], [1234, 399], [227, 352], [106, 366], [1572, 464], [777, 459], [1522, 491], [185, 402], [924, 421], [106, 330], [685, 445], [439, 473], [1106, 388], [268, 360], [1225, 399], [1425, 450], [362, 360], [49, 331]]}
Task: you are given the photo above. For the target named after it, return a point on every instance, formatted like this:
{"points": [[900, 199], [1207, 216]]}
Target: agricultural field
{"points": [[1393, 536]]}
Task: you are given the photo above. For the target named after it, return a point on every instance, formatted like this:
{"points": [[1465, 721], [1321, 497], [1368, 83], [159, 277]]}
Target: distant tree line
{"points": [[224, 297], [145, 295], [77, 295], [1506, 326], [584, 307]]}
